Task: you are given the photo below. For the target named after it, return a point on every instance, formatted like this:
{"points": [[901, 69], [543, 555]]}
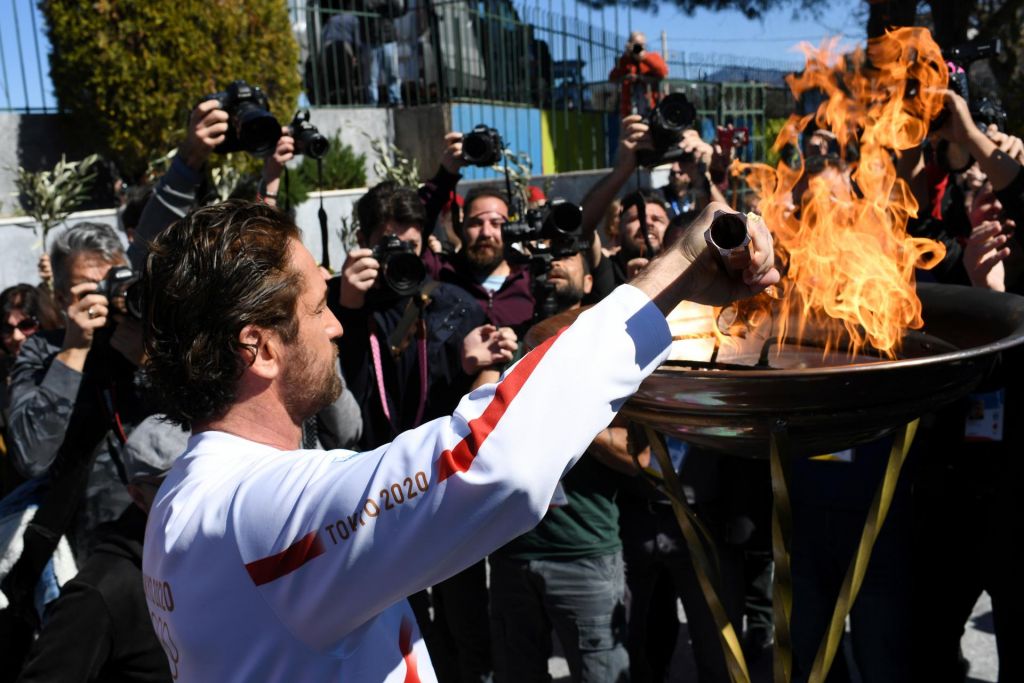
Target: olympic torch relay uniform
{"points": [[269, 565]]}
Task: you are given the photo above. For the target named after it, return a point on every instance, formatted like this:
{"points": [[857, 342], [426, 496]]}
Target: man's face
{"points": [[310, 379], [481, 228], [407, 232], [87, 266], [16, 329], [630, 236], [681, 176], [571, 281]]}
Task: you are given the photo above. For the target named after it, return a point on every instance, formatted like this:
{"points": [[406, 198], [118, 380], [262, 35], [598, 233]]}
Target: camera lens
{"points": [[316, 145], [258, 130], [676, 112], [638, 48], [403, 272], [476, 149], [565, 217]]}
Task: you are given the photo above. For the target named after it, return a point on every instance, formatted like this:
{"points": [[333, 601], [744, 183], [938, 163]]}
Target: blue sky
{"points": [[718, 33]]}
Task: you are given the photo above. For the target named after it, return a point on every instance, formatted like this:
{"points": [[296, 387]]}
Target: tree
{"points": [[129, 71]]}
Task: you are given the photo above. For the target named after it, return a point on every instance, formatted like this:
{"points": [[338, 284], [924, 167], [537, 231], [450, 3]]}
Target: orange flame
{"points": [[849, 263]]}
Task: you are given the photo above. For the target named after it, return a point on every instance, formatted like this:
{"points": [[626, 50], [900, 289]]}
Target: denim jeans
{"points": [[582, 599], [381, 61]]}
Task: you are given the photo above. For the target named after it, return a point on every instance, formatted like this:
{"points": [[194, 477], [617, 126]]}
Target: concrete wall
{"points": [[21, 243], [356, 127]]}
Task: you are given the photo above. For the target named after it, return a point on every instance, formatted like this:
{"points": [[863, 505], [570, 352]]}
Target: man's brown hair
{"points": [[208, 276]]}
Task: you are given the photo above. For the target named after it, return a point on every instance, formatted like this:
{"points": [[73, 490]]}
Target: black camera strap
{"points": [[325, 253]]}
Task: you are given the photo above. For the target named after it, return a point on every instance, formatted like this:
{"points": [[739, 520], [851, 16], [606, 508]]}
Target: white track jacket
{"points": [[269, 565]]}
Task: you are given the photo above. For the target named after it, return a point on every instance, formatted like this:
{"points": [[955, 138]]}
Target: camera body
{"points": [[638, 48], [558, 221], [251, 126], [960, 58], [401, 269], [308, 138], [482, 146], [668, 121], [123, 290]]}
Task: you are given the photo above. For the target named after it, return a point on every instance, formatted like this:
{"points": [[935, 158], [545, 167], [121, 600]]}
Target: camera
{"points": [[960, 58], [669, 120], [308, 139], [638, 48], [122, 289], [558, 221], [482, 146], [400, 267], [251, 126]]}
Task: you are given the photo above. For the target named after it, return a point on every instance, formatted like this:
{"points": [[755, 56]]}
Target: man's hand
{"points": [[984, 254], [273, 167], [635, 265], [1010, 145], [451, 157], [86, 314], [487, 346], [206, 129], [357, 277], [45, 270], [692, 143], [634, 137], [689, 270]]}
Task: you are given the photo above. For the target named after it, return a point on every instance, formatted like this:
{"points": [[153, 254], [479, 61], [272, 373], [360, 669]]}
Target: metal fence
{"points": [[24, 59]]}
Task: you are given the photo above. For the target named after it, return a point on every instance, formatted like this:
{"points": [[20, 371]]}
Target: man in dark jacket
{"points": [[99, 628]]}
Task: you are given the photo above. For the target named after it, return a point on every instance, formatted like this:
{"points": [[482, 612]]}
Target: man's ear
{"points": [[261, 351], [588, 283]]}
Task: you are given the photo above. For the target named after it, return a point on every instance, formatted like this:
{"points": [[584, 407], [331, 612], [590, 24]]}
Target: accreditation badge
{"points": [[985, 416]]}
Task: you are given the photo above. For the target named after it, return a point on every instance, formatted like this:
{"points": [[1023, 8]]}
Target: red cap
{"points": [[535, 194]]}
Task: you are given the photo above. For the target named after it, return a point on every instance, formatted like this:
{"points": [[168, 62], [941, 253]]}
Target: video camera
{"points": [[123, 291], [542, 237], [251, 126], [308, 138], [400, 267], [482, 146], [668, 121]]}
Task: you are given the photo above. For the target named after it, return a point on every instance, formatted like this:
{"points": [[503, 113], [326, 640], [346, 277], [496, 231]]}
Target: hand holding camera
{"points": [[87, 313], [207, 127], [451, 158], [357, 277], [634, 138]]}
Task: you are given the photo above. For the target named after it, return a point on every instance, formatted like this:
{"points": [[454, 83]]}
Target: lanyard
{"points": [[421, 354]]}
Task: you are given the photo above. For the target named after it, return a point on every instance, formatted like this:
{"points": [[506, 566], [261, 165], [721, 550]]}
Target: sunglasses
{"points": [[25, 325]]}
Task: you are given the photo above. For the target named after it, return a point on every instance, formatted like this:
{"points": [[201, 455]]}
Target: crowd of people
{"points": [[457, 498]]}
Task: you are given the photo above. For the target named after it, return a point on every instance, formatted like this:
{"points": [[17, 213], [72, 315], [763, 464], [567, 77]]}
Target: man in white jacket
{"points": [[264, 562]]}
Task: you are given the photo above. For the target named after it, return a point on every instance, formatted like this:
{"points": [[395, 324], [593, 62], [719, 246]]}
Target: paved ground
{"points": [[979, 647]]}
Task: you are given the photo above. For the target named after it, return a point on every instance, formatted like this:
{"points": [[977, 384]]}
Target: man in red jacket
{"points": [[640, 72]]}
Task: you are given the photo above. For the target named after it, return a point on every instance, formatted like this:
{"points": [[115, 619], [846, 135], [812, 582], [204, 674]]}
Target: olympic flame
{"points": [[848, 261]]}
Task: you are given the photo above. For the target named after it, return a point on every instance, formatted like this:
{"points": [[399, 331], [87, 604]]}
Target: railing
{"points": [[24, 64]]}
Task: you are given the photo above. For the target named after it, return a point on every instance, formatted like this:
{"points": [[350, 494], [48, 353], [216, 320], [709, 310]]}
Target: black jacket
{"points": [[99, 628]]}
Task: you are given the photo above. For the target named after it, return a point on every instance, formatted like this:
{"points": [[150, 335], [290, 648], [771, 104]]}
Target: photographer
{"points": [[402, 353], [1001, 161], [48, 378], [640, 72], [536, 579], [690, 185]]}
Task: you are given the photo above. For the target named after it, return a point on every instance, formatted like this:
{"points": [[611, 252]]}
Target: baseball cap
{"points": [[152, 448]]}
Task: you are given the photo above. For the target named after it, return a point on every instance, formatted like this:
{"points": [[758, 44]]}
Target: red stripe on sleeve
{"points": [[461, 457], [412, 674], [288, 560]]}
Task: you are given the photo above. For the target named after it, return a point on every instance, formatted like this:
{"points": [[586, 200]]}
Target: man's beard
{"points": [[484, 257], [567, 295], [309, 388]]}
